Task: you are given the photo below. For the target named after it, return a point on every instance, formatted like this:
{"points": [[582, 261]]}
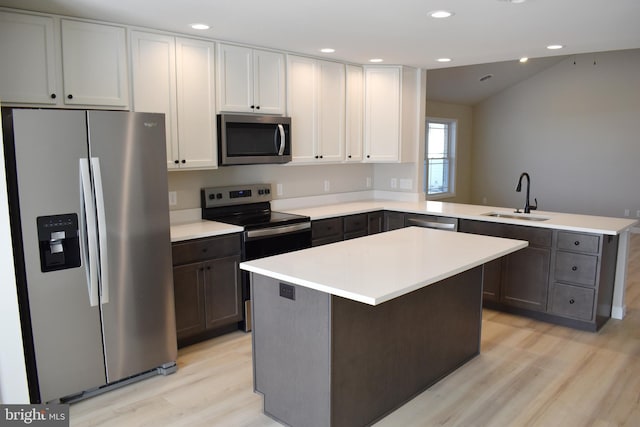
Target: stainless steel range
{"points": [[266, 232]]}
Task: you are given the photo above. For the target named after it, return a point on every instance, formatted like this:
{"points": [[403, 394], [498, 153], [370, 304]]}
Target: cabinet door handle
{"points": [[571, 301], [257, 107], [574, 268], [53, 96], [184, 161], [577, 243], [70, 96], [252, 107], [176, 161]]}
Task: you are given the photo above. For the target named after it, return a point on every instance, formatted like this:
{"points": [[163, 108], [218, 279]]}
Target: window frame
{"points": [[451, 157]]}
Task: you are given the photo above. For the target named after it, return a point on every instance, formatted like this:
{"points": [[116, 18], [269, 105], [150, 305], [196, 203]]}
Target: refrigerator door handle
{"points": [[88, 232], [102, 231]]}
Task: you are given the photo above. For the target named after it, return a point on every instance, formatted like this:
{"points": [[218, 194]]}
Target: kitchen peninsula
{"points": [[346, 333]]}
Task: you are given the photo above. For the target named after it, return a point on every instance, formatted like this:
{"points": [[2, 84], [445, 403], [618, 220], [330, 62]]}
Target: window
{"points": [[440, 158]]}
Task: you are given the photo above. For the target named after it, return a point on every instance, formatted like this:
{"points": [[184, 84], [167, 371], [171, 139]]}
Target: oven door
{"points": [[267, 242]]}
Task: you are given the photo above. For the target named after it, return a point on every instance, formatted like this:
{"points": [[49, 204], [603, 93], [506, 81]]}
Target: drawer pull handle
{"points": [[574, 268], [571, 301], [577, 243]]}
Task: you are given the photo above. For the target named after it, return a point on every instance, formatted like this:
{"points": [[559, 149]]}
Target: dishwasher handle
{"points": [[451, 225]]}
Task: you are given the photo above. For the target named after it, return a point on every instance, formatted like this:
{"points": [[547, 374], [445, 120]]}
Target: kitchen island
{"points": [[346, 333]]}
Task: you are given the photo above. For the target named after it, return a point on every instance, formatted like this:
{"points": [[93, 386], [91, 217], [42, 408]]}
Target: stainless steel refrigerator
{"points": [[90, 229]]}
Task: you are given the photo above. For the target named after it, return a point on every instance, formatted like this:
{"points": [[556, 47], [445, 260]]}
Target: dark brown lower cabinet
{"points": [[207, 287], [562, 277], [525, 278]]}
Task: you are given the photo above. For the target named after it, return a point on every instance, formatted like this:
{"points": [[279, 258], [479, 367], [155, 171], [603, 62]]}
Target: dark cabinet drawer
{"points": [[576, 268], [578, 242], [204, 249], [356, 224], [326, 229], [376, 222], [534, 235], [572, 301]]}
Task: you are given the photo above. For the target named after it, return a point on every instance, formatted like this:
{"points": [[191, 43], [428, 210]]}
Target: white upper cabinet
{"points": [[175, 76], [354, 114], [250, 80], [316, 104], [61, 62], [94, 64], [28, 68], [391, 124]]}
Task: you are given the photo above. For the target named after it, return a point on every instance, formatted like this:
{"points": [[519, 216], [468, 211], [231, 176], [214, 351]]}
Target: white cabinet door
{"points": [[28, 59], [331, 111], [250, 80], [196, 103], [94, 64], [354, 113], [302, 101], [154, 83], [235, 79], [382, 114], [268, 82]]}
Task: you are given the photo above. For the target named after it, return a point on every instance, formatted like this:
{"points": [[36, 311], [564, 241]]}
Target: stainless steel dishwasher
{"points": [[432, 221]]}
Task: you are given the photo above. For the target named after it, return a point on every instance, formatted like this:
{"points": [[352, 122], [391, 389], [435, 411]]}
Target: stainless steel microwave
{"points": [[253, 139]]}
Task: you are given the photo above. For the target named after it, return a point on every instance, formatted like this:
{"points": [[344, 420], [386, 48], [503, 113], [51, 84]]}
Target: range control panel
{"points": [[236, 195]]}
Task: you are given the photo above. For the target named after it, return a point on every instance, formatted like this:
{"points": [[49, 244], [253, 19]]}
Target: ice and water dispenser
{"points": [[59, 242]]}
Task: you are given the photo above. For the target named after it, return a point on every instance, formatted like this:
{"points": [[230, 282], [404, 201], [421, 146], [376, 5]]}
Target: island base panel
{"points": [[322, 360]]}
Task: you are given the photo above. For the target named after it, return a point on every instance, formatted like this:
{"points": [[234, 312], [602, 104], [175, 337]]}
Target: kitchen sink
{"points": [[515, 215]]}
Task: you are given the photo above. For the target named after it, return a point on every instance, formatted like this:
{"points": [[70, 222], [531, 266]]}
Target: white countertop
{"points": [[201, 228], [380, 267], [560, 221]]}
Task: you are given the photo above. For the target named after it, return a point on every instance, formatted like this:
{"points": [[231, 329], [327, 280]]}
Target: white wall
{"points": [[297, 181], [13, 378], [575, 127]]}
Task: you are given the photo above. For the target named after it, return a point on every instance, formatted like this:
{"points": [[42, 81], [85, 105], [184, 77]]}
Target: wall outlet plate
{"points": [[287, 291]]}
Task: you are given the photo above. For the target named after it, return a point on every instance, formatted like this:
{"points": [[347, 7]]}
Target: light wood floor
{"points": [[528, 374]]}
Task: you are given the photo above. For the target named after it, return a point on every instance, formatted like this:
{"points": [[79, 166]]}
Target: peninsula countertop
{"points": [[552, 220], [380, 267]]}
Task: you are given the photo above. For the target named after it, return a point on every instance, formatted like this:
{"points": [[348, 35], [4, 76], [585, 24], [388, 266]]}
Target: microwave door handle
{"points": [[283, 140]]}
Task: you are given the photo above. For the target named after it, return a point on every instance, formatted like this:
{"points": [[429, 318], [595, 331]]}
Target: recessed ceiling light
{"points": [[555, 46], [443, 59], [200, 26], [440, 14], [376, 60], [523, 59], [327, 50]]}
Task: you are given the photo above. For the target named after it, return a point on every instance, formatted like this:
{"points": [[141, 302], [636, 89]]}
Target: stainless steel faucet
{"points": [[527, 207]]}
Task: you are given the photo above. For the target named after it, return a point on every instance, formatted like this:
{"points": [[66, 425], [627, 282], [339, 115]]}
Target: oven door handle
{"points": [[274, 231]]}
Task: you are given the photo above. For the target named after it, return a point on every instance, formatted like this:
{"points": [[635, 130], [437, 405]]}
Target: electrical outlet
{"points": [[173, 198], [406, 183], [287, 291], [279, 191], [484, 200], [394, 182], [368, 182], [327, 185], [626, 212]]}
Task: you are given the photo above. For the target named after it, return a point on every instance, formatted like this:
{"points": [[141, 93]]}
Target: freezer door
{"points": [[66, 328], [128, 158]]}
